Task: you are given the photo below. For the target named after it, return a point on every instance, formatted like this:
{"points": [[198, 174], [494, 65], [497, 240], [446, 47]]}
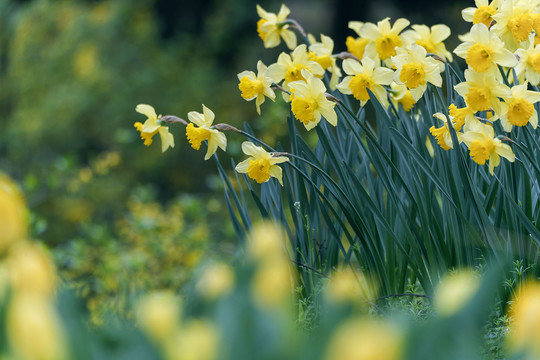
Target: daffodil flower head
{"points": [[529, 61], [271, 28], [518, 109], [482, 91], [401, 95], [321, 52], [415, 70], [442, 134], [483, 50], [152, 126], [289, 67], [482, 13], [514, 22], [362, 77], [431, 39], [384, 37], [261, 165], [483, 147], [256, 86], [204, 131], [309, 102], [460, 116]]}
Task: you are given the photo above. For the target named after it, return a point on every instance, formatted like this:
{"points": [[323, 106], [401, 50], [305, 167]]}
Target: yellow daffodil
{"points": [[321, 52], [309, 102], [482, 13], [415, 70], [362, 77], [460, 117], [204, 131], [455, 291], [518, 109], [513, 22], [271, 28], [529, 62], [442, 134], [430, 39], [401, 95], [383, 37], [152, 126], [358, 46], [256, 86], [261, 165], [484, 147], [524, 334], [481, 91], [483, 50], [289, 67]]}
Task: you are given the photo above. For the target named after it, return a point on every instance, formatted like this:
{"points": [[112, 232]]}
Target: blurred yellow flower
{"points": [[524, 334], [271, 27], [256, 86], [365, 339], [216, 281], [309, 102], [204, 131], [34, 329], [195, 340], [152, 126], [13, 214], [261, 165], [349, 286], [454, 291], [158, 314], [31, 270]]}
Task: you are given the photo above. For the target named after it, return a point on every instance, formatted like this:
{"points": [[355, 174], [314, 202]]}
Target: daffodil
{"points": [[483, 146], [204, 131], [513, 22], [431, 39], [415, 70], [358, 46], [261, 165], [383, 37], [152, 126], [442, 134], [483, 50], [256, 86], [401, 95], [362, 77], [460, 116], [272, 28], [518, 109], [321, 52], [289, 67], [529, 61], [309, 102], [481, 91], [482, 13]]}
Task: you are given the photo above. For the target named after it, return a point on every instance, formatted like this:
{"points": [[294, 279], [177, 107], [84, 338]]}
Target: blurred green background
{"points": [[71, 74]]}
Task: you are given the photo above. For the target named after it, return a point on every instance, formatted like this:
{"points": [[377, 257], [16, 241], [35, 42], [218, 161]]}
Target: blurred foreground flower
{"points": [[13, 214], [454, 291], [261, 165], [524, 335], [152, 126], [215, 281], [158, 314]]}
